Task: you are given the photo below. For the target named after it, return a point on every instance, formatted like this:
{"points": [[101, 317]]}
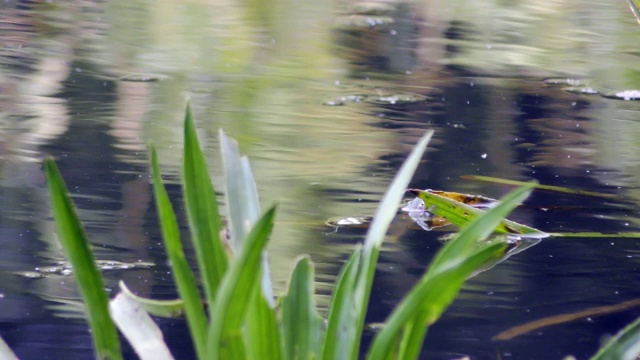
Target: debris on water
{"points": [[352, 22], [64, 268], [333, 103], [417, 212], [394, 99], [356, 221], [581, 90], [142, 77], [397, 99], [566, 82], [339, 101], [626, 95]]}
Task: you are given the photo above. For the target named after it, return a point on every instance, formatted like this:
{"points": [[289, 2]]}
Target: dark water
{"points": [[91, 84]]}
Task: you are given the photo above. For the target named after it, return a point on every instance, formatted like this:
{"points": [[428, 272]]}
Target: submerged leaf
{"points": [[565, 318], [558, 189]]}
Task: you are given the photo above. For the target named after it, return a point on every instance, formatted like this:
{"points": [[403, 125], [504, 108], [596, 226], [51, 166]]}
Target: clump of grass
{"points": [[243, 320]]}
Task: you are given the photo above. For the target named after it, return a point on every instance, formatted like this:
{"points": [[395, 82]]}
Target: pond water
{"points": [[327, 99]]}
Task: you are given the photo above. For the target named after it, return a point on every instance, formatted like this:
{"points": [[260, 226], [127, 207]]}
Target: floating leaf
{"points": [[581, 90], [566, 82], [626, 95], [477, 201], [405, 328], [351, 221], [142, 77], [462, 214]]}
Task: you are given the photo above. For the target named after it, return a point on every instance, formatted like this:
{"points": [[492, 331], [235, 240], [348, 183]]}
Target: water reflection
{"points": [[263, 72]]}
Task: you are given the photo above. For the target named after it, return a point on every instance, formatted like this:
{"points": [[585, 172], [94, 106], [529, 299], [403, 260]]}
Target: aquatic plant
{"points": [[243, 320]]}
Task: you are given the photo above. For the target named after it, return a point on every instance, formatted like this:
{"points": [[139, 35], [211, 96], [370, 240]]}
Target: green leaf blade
{"points": [[625, 345], [485, 225], [375, 236], [137, 326], [462, 214], [75, 243], [236, 290], [160, 308], [338, 338], [301, 324], [202, 212], [263, 334], [452, 265], [182, 273], [424, 304], [242, 202]]}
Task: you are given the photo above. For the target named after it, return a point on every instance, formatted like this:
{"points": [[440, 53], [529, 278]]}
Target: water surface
{"points": [[327, 100]]}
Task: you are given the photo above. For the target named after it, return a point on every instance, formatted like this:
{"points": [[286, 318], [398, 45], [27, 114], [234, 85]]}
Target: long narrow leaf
{"points": [[263, 338], [301, 324], [242, 202], [447, 272], [342, 313], [182, 273], [202, 212], [76, 247], [624, 346], [453, 252], [373, 241], [5, 351], [225, 340], [558, 189], [137, 326], [462, 214], [453, 256], [244, 210], [161, 308], [426, 302]]}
